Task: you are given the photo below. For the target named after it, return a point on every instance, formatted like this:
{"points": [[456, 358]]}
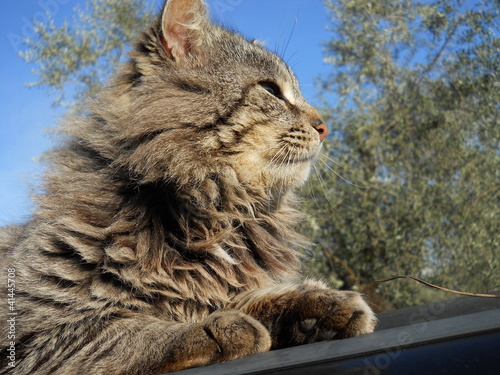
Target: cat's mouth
{"points": [[297, 157], [293, 161]]}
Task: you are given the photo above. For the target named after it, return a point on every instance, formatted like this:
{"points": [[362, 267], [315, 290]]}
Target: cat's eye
{"points": [[272, 88]]}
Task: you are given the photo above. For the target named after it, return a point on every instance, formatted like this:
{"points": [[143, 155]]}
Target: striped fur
{"points": [[163, 238]]}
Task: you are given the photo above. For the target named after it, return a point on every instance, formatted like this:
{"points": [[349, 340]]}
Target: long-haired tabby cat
{"points": [[163, 238]]}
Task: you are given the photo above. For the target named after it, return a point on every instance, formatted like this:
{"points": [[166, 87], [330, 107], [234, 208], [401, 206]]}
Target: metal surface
{"points": [[460, 336], [380, 350]]}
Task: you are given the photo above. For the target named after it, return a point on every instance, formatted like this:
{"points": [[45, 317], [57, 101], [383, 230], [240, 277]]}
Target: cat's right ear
{"points": [[182, 25]]}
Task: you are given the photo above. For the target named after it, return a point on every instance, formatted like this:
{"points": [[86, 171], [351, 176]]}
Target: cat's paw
{"points": [[236, 334], [320, 314], [223, 336]]}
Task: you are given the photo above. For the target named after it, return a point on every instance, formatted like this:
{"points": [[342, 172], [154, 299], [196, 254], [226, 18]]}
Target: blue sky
{"points": [[27, 114]]}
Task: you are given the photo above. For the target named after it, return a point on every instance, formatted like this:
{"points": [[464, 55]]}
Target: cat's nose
{"points": [[321, 129]]}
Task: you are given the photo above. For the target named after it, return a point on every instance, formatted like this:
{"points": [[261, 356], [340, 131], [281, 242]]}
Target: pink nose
{"points": [[321, 129]]}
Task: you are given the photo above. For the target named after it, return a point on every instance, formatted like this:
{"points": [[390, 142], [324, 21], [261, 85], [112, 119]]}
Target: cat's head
{"points": [[203, 101]]}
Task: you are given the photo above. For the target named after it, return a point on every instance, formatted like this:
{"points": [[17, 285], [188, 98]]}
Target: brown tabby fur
{"points": [[164, 236]]}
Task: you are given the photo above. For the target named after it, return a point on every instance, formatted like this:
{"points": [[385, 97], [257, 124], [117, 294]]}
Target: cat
{"points": [[164, 236]]}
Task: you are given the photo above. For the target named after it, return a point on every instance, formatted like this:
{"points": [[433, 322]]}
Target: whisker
{"points": [[325, 156], [278, 154], [323, 186], [280, 151], [285, 46], [309, 187], [288, 159], [340, 176]]}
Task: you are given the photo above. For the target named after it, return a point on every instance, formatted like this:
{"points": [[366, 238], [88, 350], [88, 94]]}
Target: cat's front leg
{"points": [[308, 312], [142, 345], [224, 335]]}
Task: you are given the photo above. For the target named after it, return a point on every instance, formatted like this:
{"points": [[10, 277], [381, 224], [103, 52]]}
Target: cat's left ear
{"points": [[182, 25]]}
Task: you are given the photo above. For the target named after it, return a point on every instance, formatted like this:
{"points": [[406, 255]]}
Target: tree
{"points": [[79, 59], [414, 99]]}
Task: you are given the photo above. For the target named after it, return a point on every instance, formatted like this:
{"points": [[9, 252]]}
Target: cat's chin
{"points": [[291, 175], [279, 179]]}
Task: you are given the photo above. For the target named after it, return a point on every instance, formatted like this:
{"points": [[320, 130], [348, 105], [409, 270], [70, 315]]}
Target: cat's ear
{"points": [[182, 25]]}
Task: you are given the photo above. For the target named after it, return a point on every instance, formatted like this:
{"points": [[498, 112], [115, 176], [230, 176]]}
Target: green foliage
{"points": [[413, 99], [79, 58]]}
